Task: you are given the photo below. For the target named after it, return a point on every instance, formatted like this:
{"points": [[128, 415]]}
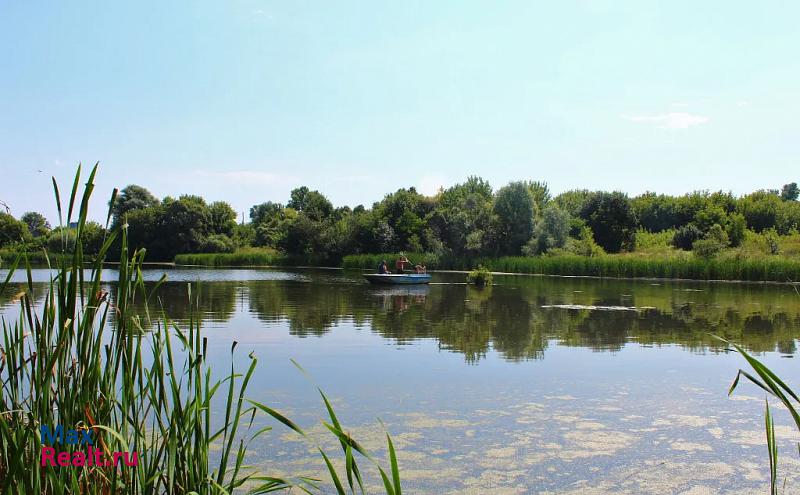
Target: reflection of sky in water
{"points": [[537, 384]]}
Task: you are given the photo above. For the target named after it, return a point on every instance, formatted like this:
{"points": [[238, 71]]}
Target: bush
{"points": [[685, 237], [218, 243], [735, 229], [480, 276], [707, 249], [550, 232], [772, 241], [584, 245]]}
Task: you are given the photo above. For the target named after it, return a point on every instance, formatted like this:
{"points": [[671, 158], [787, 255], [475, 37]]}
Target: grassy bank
{"points": [[623, 265], [35, 257], [248, 257], [630, 265]]}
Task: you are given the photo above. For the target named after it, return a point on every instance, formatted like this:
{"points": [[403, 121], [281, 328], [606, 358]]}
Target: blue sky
{"points": [[245, 100]]}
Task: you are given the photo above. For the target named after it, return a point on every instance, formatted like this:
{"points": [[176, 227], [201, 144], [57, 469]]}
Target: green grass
{"points": [[35, 257], [678, 265], [247, 257], [140, 383]]}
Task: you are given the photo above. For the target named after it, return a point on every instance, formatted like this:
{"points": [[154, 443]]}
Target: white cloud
{"points": [[672, 120], [742, 103], [680, 104]]}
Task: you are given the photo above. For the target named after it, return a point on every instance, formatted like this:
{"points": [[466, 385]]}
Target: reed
{"points": [[370, 261], [620, 266], [135, 383], [776, 388], [248, 257]]}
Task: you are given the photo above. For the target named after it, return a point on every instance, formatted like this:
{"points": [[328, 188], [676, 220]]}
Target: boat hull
{"points": [[398, 279]]}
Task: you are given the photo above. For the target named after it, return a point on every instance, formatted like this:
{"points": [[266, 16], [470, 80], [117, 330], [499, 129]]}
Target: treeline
{"points": [[468, 220]]}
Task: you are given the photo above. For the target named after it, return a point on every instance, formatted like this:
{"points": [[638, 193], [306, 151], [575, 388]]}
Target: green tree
{"points": [[611, 219], [514, 209], [685, 237], [540, 193], [61, 240], [406, 211], [790, 192], [583, 244], [144, 231], [735, 229], [313, 203], [12, 231], [132, 197], [188, 221], [710, 215], [37, 224], [223, 218], [92, 238], [787, 217], [264, 212], [462, 218], [714, 241], [244, 235], [372, 234], [656, 212], [572, 201], [760, 210], [550, 232]]}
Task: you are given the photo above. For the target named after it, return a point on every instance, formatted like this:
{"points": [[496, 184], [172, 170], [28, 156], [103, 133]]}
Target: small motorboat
{"points": [[398, 278]]}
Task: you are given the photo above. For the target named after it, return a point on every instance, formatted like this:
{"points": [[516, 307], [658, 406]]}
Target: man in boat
{"points": [[400, 263], [382, 268]]}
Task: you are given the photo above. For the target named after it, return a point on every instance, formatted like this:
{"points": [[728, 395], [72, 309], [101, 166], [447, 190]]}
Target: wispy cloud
{"points": [[742, 103], [671, 120]]}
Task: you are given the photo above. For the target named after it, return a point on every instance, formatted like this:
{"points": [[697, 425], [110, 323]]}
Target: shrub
{"points": [[685, 237], [480, 276], [735, 229], [584, 245], [707, 248], [218, 243]]}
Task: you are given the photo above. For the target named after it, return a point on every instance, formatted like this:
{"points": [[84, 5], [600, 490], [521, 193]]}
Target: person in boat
{"points": [[383, 269], [421, 269], [400, 264]]}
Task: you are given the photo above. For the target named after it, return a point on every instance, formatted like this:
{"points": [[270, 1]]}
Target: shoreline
{"points": [[499, 273]]}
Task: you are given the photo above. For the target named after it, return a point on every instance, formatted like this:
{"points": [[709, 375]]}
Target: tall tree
{"points": [[611, 219], [132, 197], [790, 192], [313, 203], [12, 230], [515, 210], [37, 224], [223, 218], [540, 193]]}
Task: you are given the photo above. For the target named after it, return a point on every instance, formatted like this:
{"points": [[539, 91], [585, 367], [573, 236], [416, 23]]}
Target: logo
{"points": [[81, 450]]}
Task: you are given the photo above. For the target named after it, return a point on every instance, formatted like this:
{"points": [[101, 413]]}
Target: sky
{"points": [[243, 101]]}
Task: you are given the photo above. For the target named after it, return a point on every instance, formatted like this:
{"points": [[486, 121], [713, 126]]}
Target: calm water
{"points": [[533, 385]]}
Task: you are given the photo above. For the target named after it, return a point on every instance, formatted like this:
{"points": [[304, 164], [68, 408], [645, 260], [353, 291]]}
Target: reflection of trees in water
{"points": [[217, 301], [507, 318], [510, 319]]}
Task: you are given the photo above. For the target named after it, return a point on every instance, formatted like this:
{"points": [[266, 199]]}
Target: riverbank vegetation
{"points": [[134, 382], [518, 227]]}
